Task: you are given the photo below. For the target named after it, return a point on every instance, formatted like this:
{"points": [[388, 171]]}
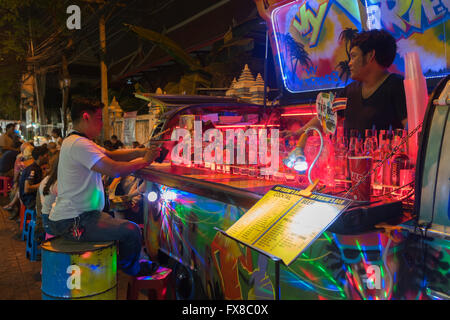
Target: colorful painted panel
{"points": [[182, 225], [312, 37]]}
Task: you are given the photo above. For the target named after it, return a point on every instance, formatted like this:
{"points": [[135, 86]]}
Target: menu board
{"points": [[283, 223]]}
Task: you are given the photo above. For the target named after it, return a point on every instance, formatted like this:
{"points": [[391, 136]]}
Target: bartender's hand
{"points": [[151, 154], [290, 133]]}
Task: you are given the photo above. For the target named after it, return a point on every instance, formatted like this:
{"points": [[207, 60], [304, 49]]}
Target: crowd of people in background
{"points": [[114, 144], [33, 169]]}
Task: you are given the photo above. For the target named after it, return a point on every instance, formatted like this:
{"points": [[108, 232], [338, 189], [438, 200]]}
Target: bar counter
{"points": [[183, 227]]}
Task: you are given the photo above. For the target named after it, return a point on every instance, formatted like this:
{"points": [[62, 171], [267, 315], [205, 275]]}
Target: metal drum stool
{"points": [[79, 270]]}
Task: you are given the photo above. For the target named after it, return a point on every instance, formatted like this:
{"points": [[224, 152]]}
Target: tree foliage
{"points": [[20, 22]]}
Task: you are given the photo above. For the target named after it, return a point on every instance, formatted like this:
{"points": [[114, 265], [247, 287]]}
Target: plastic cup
{"points": [[359, 167], [413, 69]]}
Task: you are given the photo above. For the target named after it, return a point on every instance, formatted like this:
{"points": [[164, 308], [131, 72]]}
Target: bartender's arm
{"points": [[314, 122], [114, 168], [126, 154]]}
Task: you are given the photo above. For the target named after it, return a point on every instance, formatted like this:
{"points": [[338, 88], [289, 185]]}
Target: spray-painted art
{"points": [[208, 265], [312, 37]]}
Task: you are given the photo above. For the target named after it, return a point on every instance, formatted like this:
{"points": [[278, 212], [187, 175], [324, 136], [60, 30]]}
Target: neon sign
{"points": [[312, 37]]}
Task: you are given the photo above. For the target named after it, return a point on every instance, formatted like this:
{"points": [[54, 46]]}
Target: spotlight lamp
{"points": [[296, 159], [152, 196]]}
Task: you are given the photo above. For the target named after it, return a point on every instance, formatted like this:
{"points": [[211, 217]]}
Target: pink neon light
{"points": [[298, 114], [245, 125]]}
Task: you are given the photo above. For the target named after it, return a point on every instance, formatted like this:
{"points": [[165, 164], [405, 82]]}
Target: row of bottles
{"points": [[393, 172], [333, 164]]}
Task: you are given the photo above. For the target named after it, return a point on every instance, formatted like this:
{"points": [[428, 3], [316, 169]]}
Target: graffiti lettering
{"points": [[310, 71], [435, 9], [408, 13], [327, 79], [351, 9], [395, 15], [309, 22]]}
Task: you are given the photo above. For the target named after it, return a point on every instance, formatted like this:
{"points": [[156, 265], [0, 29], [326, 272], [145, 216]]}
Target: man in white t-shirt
{"points": [[77, 214]]}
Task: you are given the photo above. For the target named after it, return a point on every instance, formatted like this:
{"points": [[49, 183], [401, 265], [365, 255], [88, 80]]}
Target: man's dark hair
{"points": [[57, 131], [114, 137], [80, 106], [108, 145], [39, 151], [379, 40], [10, 125]]}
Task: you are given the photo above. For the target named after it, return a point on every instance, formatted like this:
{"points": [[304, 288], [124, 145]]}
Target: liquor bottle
{"points": [[341, 154], [377, 175], [386, 150], [252, 170], [380, 137], [353, 149], [370, 144], [400, 160], [354, 145]]}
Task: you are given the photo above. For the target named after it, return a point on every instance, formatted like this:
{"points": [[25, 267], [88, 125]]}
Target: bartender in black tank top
{"points": [[376, 97]]}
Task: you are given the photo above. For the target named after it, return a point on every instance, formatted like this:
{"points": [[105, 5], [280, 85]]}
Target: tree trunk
{"points": [[40, 79]]}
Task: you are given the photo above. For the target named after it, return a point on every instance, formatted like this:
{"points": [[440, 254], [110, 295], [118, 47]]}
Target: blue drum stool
{"points": [[74, 270]]}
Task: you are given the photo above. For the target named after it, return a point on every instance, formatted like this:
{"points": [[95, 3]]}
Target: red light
{"points": [[298, 114], [86, 255], [248, 125]]}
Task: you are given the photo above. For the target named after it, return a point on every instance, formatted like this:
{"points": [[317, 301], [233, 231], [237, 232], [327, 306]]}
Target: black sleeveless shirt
{"points": [[386, 106]]}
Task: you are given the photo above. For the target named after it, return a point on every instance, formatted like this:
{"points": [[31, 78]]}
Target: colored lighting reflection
{"points": [[86, 255], [168, 195]]}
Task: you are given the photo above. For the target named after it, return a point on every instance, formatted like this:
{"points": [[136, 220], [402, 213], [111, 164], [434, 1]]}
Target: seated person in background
{"points": [[7, 161], [52, 149], [57, 137], [125, 200], [53, 153], [116, 143], [7, 139], [136, 144], [23, 160], [108, 145], [48, 138], [31, 177], [48, 192], [77, 214]]}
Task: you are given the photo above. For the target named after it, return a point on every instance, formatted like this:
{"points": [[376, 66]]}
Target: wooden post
{"points": [[104, 78], [65, 94], [103, 67]]}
